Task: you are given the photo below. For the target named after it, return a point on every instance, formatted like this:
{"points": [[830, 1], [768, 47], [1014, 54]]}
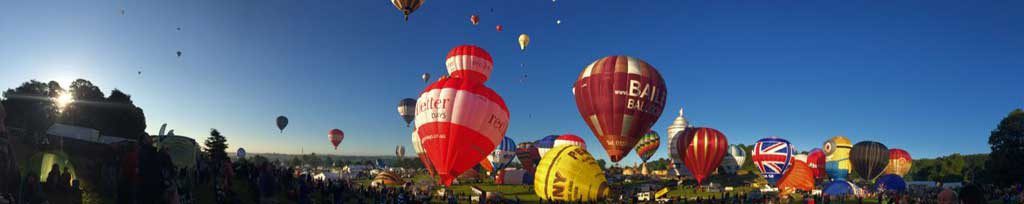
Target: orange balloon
{"points": [[798, 176]]}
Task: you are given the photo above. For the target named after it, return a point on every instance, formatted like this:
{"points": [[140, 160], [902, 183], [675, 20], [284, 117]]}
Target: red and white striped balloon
{"points": [[469, 62], [569, 139], [459, 122]]}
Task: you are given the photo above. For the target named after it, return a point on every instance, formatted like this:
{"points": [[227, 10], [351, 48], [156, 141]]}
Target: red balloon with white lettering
{"points": [[619, 97], [469, 62], [459, 122]]}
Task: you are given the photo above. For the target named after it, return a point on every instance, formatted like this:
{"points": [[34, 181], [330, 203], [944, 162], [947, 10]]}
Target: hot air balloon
{"points": [[282, 122], [524, 40], [459, 122], [528, 156], [840, 188], [797, 177], [499, 28], [400, 151], [407, 109], [837, 157], [470, 63], [179, 53], [733, 160], [336, 135], [545, 144], [619, 97], [475, 19], [647, 145], [869, 158], [772, 155], [891, 183], [569, 173], [503, 155], [240, 153], [816, 161], [407, 6], [417, 145], [570, 139], [899, 162], [703, 149], [675, 160], [426, 77]]}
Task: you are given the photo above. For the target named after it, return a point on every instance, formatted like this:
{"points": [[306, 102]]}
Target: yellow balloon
{"points": [[523, 41], [569, 173], [837, 157]]}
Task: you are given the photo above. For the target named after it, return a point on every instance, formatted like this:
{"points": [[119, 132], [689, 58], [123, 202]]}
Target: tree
{"points": [[1007, 143], [215, 146], [29, 106]]}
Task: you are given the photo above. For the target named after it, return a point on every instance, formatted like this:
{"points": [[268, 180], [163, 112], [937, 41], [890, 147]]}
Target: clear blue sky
{"points": [[932, 77]]}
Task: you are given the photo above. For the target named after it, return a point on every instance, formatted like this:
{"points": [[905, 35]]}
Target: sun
{"points": [[63, 100]]}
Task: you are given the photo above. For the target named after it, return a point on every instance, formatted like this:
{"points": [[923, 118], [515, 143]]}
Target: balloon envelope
{"points": [[891, 183], [619, 97], [837, 157], [474, 19], [816, 161], [772, 156], [648, 145], [282, 122], [335, 136], [503, 155], [407, 109], [524, 40], [400, 151], [734, 158], [528, 156], [703, 149], [570, 139], [407, 6], [869, 158], [675, 160], [798, 176], [899, 162], [470, 63], [459, 122], [569, 173], [417, 145], [840, 188], [545, 144]]}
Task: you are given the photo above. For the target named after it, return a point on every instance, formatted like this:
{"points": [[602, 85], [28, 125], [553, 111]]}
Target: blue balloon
{"points": [[546, 143], [891, 183], [840, 188]]}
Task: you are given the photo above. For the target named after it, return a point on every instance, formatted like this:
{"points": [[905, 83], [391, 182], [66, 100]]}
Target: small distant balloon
{"points": [[407, 6], [179, 53], [475, 19], [524, 40], [335, 136], [559, 22], [122, 11], [426, 77], [498, 28], [282, 122]]}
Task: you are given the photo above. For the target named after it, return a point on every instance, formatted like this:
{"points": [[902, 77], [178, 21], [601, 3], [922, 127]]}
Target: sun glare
{"points": [[63, 100]]}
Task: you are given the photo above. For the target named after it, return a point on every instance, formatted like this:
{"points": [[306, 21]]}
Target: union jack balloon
{"points": [[772, 155], [569, 139], [459, 122], [469, 62], [619, 97]]}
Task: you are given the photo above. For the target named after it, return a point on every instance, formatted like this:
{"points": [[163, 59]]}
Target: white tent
{"points": [[327, 176]]}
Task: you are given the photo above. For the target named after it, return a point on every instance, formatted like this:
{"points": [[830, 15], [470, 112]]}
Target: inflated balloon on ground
{"points": [[703, 149], [569, 173], [837, 157], [772, 156], [869, 159], [899, 162], [459, 122]]}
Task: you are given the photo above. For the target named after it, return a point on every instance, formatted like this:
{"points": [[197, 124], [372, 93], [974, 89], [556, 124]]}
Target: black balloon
{"points": [[869, 159]]}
